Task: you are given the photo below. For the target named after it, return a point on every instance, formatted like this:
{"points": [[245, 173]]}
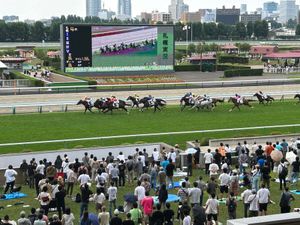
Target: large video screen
{"points": [[105, 49]]}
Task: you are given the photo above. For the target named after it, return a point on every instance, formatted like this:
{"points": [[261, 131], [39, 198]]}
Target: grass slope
{"points": [[37, 127]]}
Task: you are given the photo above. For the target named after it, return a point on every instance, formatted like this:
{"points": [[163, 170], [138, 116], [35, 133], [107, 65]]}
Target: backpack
{"points": [[231, 205], [78, 198], [284, 172]]}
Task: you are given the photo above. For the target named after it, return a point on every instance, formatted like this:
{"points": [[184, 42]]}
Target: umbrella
{"points": [[190, 151], [276, 155], [291, 157], [130, 198]]}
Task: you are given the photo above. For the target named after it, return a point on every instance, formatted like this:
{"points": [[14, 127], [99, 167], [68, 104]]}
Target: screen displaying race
{"points": [[105, 49]]}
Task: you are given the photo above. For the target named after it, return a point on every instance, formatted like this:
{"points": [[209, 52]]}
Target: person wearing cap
{"points": [[23, 220], [116, 220]]}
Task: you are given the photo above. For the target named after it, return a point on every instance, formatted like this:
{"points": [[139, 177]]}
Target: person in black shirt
{"points": [[162, 195], [76, 165], [170, 173], [85, 196], [32, 217], [259, 152], [190, 164], [265, 171], [128, 220], [217, 158], [116, 220], [30, 170], [60, 200], [121, 168], [168, 214], [295, 170], [157, 217], [199, 215]]}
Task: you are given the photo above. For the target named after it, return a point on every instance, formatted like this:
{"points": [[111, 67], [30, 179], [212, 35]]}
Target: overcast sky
{"points": [[38, 9]]}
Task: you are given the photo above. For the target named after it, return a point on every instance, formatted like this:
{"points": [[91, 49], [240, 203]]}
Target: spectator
{"points": [[44, 198], [162, 176], [147, 204], [165, 163], [153, 175], [60, 200], [208, 159], [170, 173], [136, 214], [155, 156], [199, 215], [231, 206], [9, 175], [282, 173], [103, 216], [84, 178], [112, 197], [40, 220], [71, 179], [146, 155], [255, 178], [264, 199], [194, 194], [85, 219], [285, 201], [121, 168], [24, 170], [187, 220], [212, 209], [115, 175], [202, 186], [58, 163], [128, 220], [85, 196], [99, 199], [68, 217], [157, 217], [295, 171], [172, 156], [116, 220], [139, 192], [224, 183], [245, 195], [217, 158], [254, 205], [163, 195], [32, 217], [23, 220], [55, 220], [183, 193], [212, 186], [190, 165], [50, 172], [168, 215], [130, 168], [234, 183]]}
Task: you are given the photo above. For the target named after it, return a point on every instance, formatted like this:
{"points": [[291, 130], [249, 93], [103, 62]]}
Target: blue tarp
{"points": [[171, 198], [14, 196]]}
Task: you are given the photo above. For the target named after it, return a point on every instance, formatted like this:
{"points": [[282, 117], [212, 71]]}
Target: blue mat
{"points": [[171, 198], [296, 192], [14, 196], [175, 184]]}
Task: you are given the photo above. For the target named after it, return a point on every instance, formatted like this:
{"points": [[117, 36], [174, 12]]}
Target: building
{"points": [[105, 14], [230, 49], [146, 17], [228, 16], [191, 17], [177, 8], [161, 17], [124, 9], [10, 19], [243, 8], [93, 7], [246, 18], [288, 10], [259, 51], [270, 10], [209, 16], [26, 52]]}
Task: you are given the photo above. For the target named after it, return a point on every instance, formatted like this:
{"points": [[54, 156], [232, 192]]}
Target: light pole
{"points": [[187, 28]]}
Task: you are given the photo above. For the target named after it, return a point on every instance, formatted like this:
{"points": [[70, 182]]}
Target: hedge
{"points": [[208, 67], [34, 82], [243, 72], [233, 59], [224, 67]]}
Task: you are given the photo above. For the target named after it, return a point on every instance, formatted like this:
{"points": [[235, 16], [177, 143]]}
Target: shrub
{"points": [[233, 59], [243, 72], [179, 68], [34, 82], [224, 67]]}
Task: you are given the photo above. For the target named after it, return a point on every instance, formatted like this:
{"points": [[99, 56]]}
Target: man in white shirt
{"points": [[213, 169], [187, 220], [208, 159], [212, 209], [195, 194], [224, 182], [9, 175], [264, 199], [172, 155], [139, 192], [245, 195], [112, 197], [121, 157], [83, 178], [40, 169], [155, 156], [253, 201]]}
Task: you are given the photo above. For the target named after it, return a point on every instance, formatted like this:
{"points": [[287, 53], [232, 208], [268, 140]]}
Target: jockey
{"points": [[264, 96], [188, 95], [151, 100], [115, 101], [205, 98], [239, 98], [88, 100], [137, 97]]}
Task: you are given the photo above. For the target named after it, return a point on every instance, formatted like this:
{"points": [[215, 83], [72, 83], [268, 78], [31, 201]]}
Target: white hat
{"points": [[116, 212]]}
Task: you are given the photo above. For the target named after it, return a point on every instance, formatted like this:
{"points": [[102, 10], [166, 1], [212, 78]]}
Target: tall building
{"points": [[209, 16], [161, 17], [10, 19], [192, 17], [228, 16], [177, 8], [243, 8], [252, 17], [146, 17], [270, 7], [124, 9], [105, 14], [93, 7], [288, 10]]}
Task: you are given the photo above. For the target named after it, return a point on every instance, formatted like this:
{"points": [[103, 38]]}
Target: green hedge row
{"points": [[209, 67], [243, 72], [233, 59], [34, 82], [224, 67]]}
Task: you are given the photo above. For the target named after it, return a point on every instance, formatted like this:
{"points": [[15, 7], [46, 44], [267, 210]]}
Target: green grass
{"points": [[52, 126]]}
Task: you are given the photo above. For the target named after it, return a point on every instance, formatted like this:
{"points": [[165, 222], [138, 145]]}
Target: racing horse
{"points": [[262, 100], [186, 102], [297, 96], [236, 104], [86, 105], [216, 100], [134, 100], [105, 106], [204, 104], [157, 104]]}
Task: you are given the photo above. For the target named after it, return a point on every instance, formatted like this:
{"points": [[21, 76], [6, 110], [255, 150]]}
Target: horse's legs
{"points": [[90, 110], [230, 110], [85, 110]]}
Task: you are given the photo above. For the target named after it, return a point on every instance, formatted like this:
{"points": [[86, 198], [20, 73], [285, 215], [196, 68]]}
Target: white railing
{"points": [[285, 70], [14, 83], [65, 104]]}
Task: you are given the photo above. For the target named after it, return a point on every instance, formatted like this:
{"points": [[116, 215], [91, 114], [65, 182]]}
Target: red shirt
{"points": [[147, 203]]}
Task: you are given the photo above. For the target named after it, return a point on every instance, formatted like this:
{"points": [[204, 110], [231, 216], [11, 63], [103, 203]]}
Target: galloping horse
{"points": [[86, 105], [297, 96], [216, 100], [204, 104], [157, 104], [184, 102], [134, 101], [262, 100], [237, 104], [106, 106]]}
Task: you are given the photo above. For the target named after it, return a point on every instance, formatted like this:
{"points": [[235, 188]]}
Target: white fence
{"points": [[15, 83], [285, 70]]}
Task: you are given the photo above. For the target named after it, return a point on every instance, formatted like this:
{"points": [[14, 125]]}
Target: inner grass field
{"points": [[53, 126]]}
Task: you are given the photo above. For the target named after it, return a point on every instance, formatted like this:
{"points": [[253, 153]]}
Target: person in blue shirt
{"points": [[261, 162], [278, 146], [165, 163]]}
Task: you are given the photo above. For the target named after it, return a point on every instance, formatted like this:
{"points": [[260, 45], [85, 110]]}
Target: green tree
{"points": [[191, 49], [3, 31], [241, 30], [297, 29], [211, 30], [250, 29], [37, 32], [222, 31], [291, 24]]}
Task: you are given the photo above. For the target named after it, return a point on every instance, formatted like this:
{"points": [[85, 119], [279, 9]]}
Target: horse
{"points": [[184, 102], [157, 104], [86, 105], [297, 96], [106, 106], [262, 100], [216, 100], [237, 104], [202, 104], [134, 100]]}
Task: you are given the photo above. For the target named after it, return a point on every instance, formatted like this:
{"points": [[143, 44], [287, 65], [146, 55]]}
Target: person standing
{"points": [[163, 195], [136, 214], [121, 168], [103, 216], [224, 183], [285, 201], [157, 216], [168, 215], [10, 178], [245, 195], [23, 220], [187, 220], [170, 173], [68, 217], [231, 206], [139, 192], [254, 205], [128, 220], [85, 196], [202, 186], [60, 201], [199, 215], [44, 198], [112, 197], [195, 194], [212, 209], [264, 199], [295, 171], [208, 159], [24, 170], [282, 173], [116, 220], [147, 204]]}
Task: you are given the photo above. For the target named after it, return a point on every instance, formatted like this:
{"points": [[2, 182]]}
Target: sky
{"points": [[39, 9]]}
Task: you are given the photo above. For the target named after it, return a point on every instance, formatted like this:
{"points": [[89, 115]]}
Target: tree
{"points": [[222, 30], [261, 29], [211, 30], [241, 30], [298, 29], [250, 29], [37, 32], [291, 24], [3, 31], [191, 49]]}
